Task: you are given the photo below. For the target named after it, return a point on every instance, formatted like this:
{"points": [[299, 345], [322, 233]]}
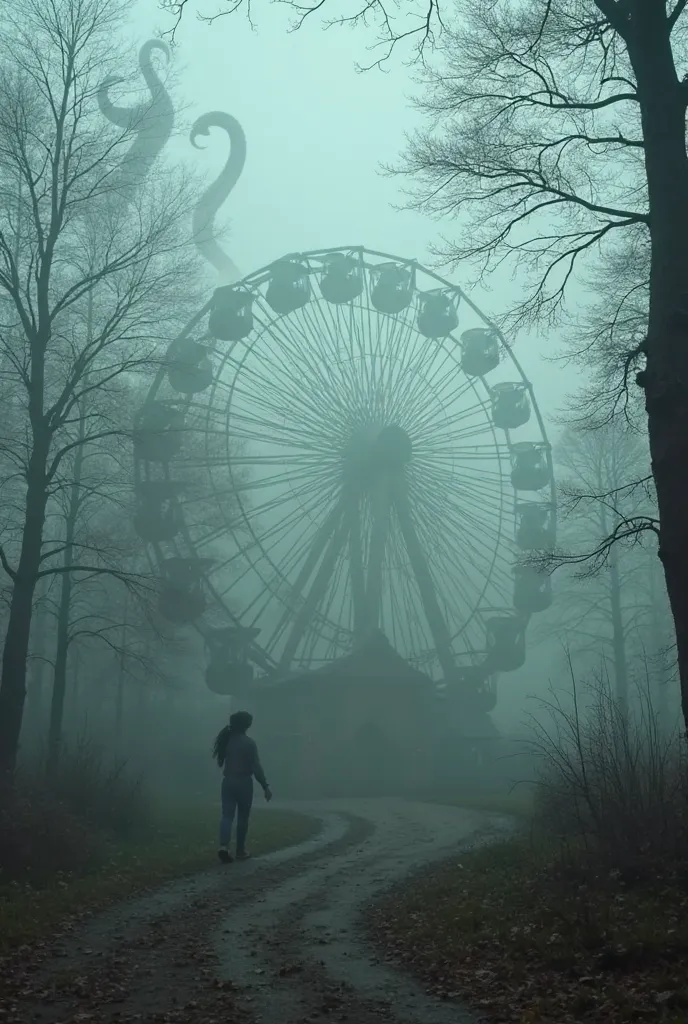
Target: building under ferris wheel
{"points": [[340, 446]]}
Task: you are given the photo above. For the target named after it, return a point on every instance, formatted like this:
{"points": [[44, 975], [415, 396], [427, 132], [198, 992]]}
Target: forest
{"points": [[465, 647]]}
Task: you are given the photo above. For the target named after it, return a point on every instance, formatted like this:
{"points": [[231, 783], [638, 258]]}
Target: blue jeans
{"points": [[237, 798]]}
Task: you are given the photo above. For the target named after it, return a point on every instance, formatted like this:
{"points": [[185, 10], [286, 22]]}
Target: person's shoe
{"points": [[243, 855], [224, 856]]}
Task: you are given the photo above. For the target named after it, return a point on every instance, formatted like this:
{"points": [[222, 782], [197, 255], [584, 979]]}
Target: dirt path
{"points": [[270, 941]]}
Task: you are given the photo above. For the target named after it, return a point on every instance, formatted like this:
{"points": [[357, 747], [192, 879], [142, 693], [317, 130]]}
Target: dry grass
{"points": [[91, 834], [583, 917], [180, 843], [524, 943]]}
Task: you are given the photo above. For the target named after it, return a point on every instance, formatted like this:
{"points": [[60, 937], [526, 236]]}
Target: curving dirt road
{"points": [[269, 941]]}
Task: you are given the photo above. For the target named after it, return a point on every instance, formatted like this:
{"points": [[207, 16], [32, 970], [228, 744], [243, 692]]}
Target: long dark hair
{"points": [[239, 723]]}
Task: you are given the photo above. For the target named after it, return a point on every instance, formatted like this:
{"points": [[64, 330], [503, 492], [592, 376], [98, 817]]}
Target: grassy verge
{"points": [[181, 843], [524, 938]]}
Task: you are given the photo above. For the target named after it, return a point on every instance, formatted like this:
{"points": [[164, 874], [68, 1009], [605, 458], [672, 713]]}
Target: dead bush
{"points": [[100, 791], [64, 822], [40, 838], [610, 784]]}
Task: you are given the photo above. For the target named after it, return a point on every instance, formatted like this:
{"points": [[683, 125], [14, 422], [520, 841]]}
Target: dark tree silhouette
{"points": [[60, 165], [604, 607]]}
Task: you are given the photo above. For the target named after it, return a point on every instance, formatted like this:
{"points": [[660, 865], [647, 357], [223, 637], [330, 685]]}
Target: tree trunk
{"points": [[619, 637], [659, 666], [76, 680], [63, 614], [16, 649], [60, 672], [662, 98], [35, 707], [616, 611], [672, 498], [119, 702]]}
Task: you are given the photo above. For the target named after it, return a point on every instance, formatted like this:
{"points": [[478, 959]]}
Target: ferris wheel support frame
{"points": [[381, 507], [332, 549], [356, 571], [319, 544], [426, 586]]}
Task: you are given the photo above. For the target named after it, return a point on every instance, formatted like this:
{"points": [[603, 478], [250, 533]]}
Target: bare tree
{"points": [[604, 611], [61, 164], [89, 514], [554, 128], [413, 27], [604, 338]]}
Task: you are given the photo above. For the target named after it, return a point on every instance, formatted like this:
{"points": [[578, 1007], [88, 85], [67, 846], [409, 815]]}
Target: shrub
{"points": [[62, 822], [100, 792], [610, 784], [41, 838]]}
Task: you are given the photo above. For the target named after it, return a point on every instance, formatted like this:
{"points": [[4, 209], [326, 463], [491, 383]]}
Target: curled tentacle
{"points": [[216, 194], [151, 121], [121, 116]]}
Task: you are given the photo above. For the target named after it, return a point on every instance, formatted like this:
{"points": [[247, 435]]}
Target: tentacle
{"points": [[147, 49], [121, 116], [216, 194], [152, 121]]}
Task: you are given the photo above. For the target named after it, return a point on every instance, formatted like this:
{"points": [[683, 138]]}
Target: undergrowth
{"points": [[64, 820], [88, 833], [583, 915]]}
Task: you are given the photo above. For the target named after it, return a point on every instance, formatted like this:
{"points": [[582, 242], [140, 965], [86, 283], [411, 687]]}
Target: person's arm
{"points": [[258, 772]]}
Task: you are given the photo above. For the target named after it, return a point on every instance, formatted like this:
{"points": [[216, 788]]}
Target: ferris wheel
{"points": [[339, 444]]}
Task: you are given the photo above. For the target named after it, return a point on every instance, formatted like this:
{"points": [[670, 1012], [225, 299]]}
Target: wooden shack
{"points": [[360, 725]]}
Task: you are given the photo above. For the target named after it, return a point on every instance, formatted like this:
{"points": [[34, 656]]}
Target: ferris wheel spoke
{"points": [[251, 485], [404, 603], [340, 330], [357, 575], [464, 459], [380, 507], [296, 516], [467, 493], [313, 402], [314, 364], [334, 607], [305, 477], [424, 580], [291, 416], [461, 417], [277, 531], [457, 581], [457, 530], [280, 390], [290, 413], [316, 548], [291, 558], [389, 350], [414, 399], [317, 591], [461, 540]]}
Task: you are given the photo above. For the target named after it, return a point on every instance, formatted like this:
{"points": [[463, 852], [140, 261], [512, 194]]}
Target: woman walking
{"points": [[237, 754]]}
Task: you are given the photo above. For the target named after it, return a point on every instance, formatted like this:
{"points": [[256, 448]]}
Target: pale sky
{"points": [[317, 132]]}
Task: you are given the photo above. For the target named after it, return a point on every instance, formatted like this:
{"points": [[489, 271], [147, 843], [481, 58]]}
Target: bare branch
{"points": [[6, 565]]}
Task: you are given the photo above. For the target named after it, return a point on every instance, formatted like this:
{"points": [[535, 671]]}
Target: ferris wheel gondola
{"points": [[342, 443]]}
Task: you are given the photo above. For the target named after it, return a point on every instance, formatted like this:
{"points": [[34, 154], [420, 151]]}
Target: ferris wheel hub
{"points": [[376, 451]]}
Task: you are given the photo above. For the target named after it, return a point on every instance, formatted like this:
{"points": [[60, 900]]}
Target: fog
{"points": [[318, 133]]}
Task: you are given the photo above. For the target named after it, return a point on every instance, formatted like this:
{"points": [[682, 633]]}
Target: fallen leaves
{"points": [[522, 946]]}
